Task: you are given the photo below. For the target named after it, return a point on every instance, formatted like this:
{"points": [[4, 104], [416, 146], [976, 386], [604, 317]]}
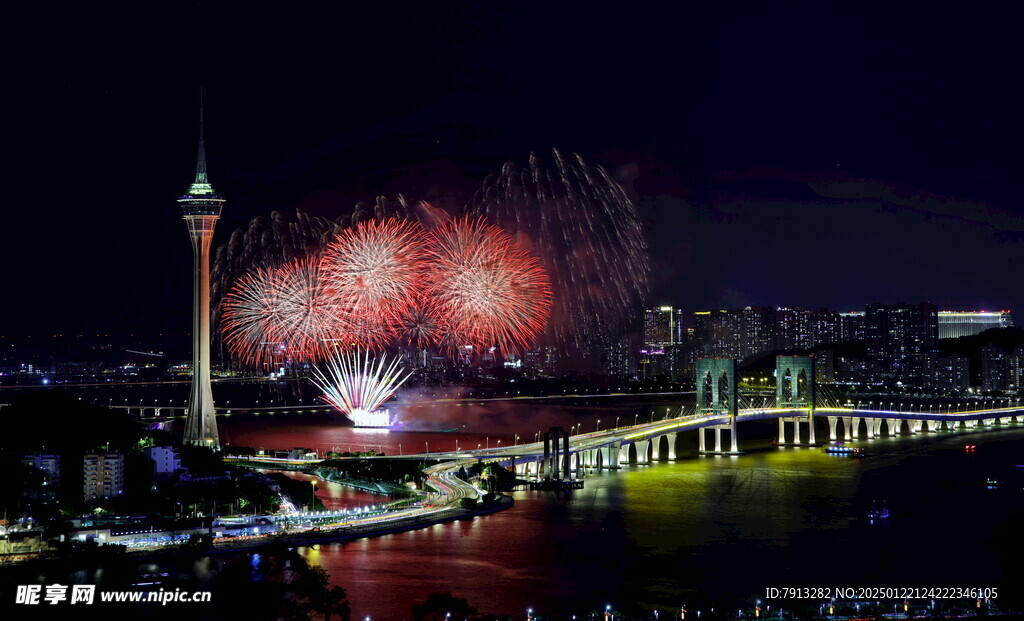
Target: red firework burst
{"points": [[490, 292], [374, 274], [276, 313]]}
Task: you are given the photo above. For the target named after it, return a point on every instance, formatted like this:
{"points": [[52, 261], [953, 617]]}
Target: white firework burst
{"points": [[355, 384]]}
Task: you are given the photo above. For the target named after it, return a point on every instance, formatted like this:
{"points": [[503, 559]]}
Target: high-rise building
{"points": [[201, 208], [851, 326], [602, 351], [1016, 370], [758, 330], [663, 326], [718, 333], [542, 359], [953, 324], [793, 328], [662, 352], [952, 374], [49, 470], [904, 338], [857, 371], [825, 366], [103, 475], [995, 369], [825, 327]]}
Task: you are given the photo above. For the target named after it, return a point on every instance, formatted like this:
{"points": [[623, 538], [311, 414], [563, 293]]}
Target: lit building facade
{"points": [[1016, 370], [996, 368], [663, 352], [952, 374], [103, 475], [954, 324], [758, 330], [49, 470], [793, 327], [825, 327], [165, 459], [904, 339], [851, 326]]}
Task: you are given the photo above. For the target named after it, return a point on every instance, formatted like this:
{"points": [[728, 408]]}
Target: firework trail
{"points": [[354, 384], [283, 311], [587, 232], [374, 272], [490, 291]]}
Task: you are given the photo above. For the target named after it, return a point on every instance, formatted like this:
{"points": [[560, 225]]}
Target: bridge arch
{"points": [[717, 388], [794, 387]]}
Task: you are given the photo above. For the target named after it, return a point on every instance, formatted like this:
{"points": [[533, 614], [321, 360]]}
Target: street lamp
{"points": [[599, 424], [312, 502]]}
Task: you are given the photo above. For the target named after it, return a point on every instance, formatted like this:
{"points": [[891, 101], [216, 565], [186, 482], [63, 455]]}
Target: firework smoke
{"points": [[587, 233]]}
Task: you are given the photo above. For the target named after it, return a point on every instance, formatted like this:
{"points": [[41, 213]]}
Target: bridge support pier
{"points": [[871, 428], [952, 425], [797, 421], [611, 456], [971, 424], [656, 452], [848, 428], [641, 451], [832, 422], [894, 426], [988, 422], [1006, 420], [914, 426], [719, 431]]}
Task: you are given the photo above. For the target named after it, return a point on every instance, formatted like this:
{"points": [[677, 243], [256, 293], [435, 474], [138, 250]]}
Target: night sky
{"points": [[803, 153]]}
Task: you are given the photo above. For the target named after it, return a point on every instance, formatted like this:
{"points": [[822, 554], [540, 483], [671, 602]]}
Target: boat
{"points": [[878, 511], [838, 448]]}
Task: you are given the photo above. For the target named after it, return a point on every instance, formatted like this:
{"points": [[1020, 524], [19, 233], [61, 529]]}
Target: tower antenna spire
{"points": [[201, 159]]}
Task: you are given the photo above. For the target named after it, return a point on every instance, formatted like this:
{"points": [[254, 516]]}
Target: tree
{"points": [[438, 606], [336, 603]]}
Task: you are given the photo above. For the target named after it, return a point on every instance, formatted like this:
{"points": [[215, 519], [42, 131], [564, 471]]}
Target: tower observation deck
{"points": [[201, 207]]}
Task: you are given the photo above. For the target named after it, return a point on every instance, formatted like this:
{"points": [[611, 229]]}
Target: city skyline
{"points": [[854, 183], [546, 310]]}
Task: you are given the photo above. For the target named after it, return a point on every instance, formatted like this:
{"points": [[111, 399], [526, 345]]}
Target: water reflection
{"points": [[702, 531]]}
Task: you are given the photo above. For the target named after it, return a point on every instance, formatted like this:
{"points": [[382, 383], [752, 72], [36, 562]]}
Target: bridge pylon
{"points": [[718, 395], [795, 388], [556, 458]]}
